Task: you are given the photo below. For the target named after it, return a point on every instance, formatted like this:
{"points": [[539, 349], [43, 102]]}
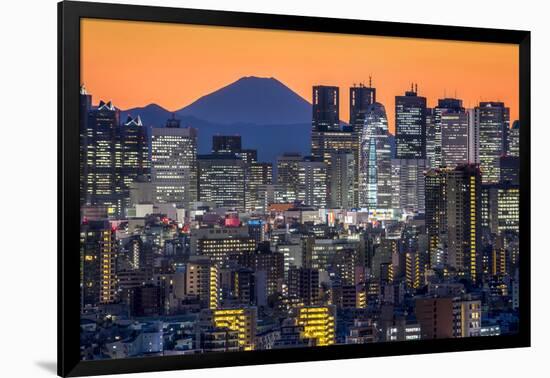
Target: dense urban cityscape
{"points": [[373, 237]]}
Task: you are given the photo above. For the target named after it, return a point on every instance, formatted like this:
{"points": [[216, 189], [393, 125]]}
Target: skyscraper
{"points": [[453, 123], [326, 108], [513, 139], [436, 220], [98, 249], [85, 107], [410, 126], [324, 144], [463, 213], [492, 122], [312, 177], [430, 138], [375, 160], [222, 180], [343, 169], [259, 175], [408, 185], [174, 163], [360, 98], [135, 155], [287, 174], [104, 186]]}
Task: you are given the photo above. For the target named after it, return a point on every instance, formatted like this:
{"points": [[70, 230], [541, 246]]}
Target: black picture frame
{"points": [[69, 15]]}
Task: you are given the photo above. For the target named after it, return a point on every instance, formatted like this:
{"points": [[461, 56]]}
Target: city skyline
{"points": [[471, 71], [195, 240]]}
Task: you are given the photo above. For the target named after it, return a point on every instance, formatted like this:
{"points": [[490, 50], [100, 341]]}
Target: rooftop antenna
{"points": [[412, 87], [416, 87], [370, 81]]}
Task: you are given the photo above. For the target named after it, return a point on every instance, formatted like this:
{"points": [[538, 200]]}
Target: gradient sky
{"points": [[138, 63]]}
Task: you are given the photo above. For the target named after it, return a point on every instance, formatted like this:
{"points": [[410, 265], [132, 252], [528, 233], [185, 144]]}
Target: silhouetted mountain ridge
{"points": [[258, 109]]}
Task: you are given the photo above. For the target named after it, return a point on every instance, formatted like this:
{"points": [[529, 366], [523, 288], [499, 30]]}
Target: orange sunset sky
{"points": [[137, 63]]}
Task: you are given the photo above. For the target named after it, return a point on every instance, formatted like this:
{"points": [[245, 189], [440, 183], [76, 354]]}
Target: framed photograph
{"points": [[240, 188]]}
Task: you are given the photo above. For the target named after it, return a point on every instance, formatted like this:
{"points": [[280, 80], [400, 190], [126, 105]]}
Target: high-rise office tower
{"points": [[492, 123], [360, 98], [473, 138], [324, 144], [174, 163], [135, 155], [410, 126], [451, 105], [287, 174], [501, 207], [408, 185], [343, 169], [85, 107], [436, 209], [463, 213], [318, 324], [430, 138], [222, 180], [453, 123], [259, 175], [98, 250], [226, 144], [326, 108], [375, 160], [513, 140], [104, 186], [312, 177]]}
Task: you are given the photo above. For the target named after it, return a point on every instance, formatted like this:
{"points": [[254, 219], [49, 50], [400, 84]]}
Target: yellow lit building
{"points": [[318, 324], [242, 320]]}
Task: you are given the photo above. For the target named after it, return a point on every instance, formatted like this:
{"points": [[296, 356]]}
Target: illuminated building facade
{"points": [[493, 122], [318, 324], [135, 155], [202, 282], [98, 252], [408, 185], [501, 207], [104, 186], [463, 213], [410, 126], [288, 176], [342, 180], [375, 161], [513, 140], [312, 176], [174, 164], [259, 175], [454, 125], [222, 180], [241, 320]]}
